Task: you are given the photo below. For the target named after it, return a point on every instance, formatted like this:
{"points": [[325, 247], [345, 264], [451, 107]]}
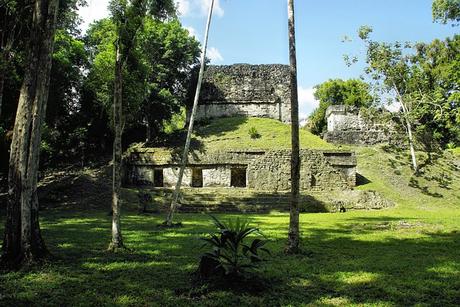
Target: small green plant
{"points": [[230, 256], [253, 133]]}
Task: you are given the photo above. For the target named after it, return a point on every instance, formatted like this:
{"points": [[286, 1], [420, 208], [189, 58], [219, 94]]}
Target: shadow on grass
{"points": [[397, 271], [414, 183], [219, 127], [361, 180], [342, 268]]}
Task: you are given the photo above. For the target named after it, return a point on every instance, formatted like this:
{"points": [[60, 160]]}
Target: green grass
{"points": [[233, 133], [456, 151], [436, 187], [405, 256], [386, 258]]}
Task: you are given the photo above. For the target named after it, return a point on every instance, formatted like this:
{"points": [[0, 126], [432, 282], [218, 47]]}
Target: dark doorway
{"points": [[197, 177], [238, 177], [312, 181], [158, 178]]}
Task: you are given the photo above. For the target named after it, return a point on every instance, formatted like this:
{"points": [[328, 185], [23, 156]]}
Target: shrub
{"points": [[253, 133], [231, 257]]}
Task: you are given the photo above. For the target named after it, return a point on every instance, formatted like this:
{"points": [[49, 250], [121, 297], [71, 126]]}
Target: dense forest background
{"points": [[78, 126]]}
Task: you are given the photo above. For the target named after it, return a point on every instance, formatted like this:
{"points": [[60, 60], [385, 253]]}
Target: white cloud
{"points": [[214, 55], [95, 10], [307, 101], [183, 7], [192, 32], [204, 7]]}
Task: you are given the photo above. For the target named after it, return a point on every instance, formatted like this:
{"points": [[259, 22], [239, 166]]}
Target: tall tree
{"points": [[439, 116], [23, 242], [172, 209], [391, 68], [446, 10], [14, 19], [128, 17], [294, 233]]}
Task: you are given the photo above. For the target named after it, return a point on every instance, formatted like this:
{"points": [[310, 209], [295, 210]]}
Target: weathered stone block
{"points": [[216, 177], [243, 89], [347, 125]]}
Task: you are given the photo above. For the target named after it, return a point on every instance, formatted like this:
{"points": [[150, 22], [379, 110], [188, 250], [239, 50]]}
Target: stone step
{"points": [[227, 200]]}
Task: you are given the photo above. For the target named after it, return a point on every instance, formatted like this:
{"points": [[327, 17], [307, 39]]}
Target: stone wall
{"points": [[217, 177], [243, 89], [317, 172], [347, 125], [265, 170]]}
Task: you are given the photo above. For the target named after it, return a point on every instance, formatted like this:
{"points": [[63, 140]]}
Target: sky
{"points": [[255, 32]]}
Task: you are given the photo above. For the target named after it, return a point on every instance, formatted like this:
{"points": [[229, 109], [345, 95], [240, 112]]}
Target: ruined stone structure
{"points": [[256, 179], [248, 90], [347, 125], [254, 169]]}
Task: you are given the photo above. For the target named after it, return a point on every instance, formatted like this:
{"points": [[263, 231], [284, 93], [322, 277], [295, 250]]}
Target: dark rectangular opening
{"points": [[238, 177], [158, 178], [197, 177], [337, 154]]}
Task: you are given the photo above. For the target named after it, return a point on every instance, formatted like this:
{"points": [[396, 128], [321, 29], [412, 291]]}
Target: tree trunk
{"points": [[169, 218], [410, 137], [117, 241], [23, 243], [293, 235], [2, 85], [148, 131], [409, 128]]}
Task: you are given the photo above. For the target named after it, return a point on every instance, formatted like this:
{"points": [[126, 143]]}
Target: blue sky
{"points": [[255, 31]]}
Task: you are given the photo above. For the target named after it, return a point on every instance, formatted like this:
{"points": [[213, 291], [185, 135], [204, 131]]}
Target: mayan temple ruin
{"points": [[250, 91]]}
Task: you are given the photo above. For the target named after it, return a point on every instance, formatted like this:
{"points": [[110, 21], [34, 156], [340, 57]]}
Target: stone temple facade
{"points": [[248, 90], [253, 169], [348, 125], [253, 91]]}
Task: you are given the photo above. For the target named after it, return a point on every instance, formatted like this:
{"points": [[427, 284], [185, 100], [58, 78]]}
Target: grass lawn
{"points": [[409, 255], [386, 258], [233, 133]]}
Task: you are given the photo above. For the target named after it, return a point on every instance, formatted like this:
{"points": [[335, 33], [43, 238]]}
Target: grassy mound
{"points": [[389, 172], [233, 133]]}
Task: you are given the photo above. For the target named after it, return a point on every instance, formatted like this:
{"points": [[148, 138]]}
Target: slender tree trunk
{"points": [[411, 139], [169, 218], [2, 85], [117, 241], [409, 128], [293, 235], [148, 131], [23, 243]]}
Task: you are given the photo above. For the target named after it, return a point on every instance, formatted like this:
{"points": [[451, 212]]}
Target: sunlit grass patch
{"points": [[348, 259]]}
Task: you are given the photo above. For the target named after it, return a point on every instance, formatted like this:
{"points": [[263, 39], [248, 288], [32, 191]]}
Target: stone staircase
{"points": [[230, 200]]}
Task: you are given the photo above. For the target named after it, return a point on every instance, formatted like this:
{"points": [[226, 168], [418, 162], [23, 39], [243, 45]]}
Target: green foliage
{"points": [[446, 10], [351, 92], [425, 78], [439, 92], [253, 133], [156, 74], [176, 123], [229, 249], [60, 142]]}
